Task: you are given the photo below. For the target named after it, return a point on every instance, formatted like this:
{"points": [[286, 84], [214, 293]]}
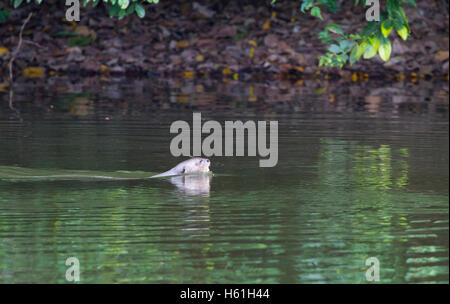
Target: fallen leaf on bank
{"points": [[182, 44], [441, 56], [3, 86], [33, 72], [3, 50], [331, 97], [266, 25], [252, 43], [199, 88], [182, 98], [189, 74], [226, 71], [85, 31], [199, 58], [252, 52], [320, 91], [251, 92]]}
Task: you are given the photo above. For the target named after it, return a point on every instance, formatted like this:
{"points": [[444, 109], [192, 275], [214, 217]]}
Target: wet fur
{"points": [[194, 165]]}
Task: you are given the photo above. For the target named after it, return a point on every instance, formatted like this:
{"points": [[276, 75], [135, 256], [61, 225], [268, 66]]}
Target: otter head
{"points": [[196, 165], [202, 164]]}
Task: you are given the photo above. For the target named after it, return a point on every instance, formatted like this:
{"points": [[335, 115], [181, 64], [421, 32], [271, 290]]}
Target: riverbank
{"points": [[236, 42]]}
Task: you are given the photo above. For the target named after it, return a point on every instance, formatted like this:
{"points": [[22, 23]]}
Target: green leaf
{"points": [[17, 3], [306, 5], [375, 42], [123, 4], [385, 49], [113, 10], [369, 52], [354, 55], [80, 41], [140, 10], [131, 8], [346, 45], [334, 48], [122, 14], [334, 28], [315, 11], [411, 2], [403, 32], [355, 36], [361, 49], [386, 27]]}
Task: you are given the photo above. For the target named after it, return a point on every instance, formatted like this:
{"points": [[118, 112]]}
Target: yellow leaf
{"points": [[104, 68], [3, 50], [331, 97], [292, 19], [354, 77], [199, 88], [182, 44], [199, 58], [33, 72], [273, 15], [3, 86], [189, 74], [236, 76], [252, 43], [226, 71], [182, 98], [400, 77], [252, 52], [320, 91], [266, 25], [251, 92]]}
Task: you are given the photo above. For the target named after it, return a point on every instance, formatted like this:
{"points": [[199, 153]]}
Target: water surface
{"points": [[351, 183]]}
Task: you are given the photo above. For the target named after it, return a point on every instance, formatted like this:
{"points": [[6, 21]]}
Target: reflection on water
{"points": [[349, 185], [193, 184], [118, 99]]}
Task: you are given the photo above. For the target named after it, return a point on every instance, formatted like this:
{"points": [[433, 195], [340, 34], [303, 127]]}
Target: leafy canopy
{"points": [[342, 47]]}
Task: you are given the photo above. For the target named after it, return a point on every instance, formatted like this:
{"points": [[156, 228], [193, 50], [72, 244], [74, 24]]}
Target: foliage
{"points": [[373, 39], [119, 8], [342, 47]]}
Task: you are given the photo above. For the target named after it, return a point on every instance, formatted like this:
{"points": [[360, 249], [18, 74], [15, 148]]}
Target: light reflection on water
{"points": [[347, 187]]}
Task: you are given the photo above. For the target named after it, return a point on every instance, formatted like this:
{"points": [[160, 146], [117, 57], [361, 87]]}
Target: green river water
{"points": [[347, 186]]}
